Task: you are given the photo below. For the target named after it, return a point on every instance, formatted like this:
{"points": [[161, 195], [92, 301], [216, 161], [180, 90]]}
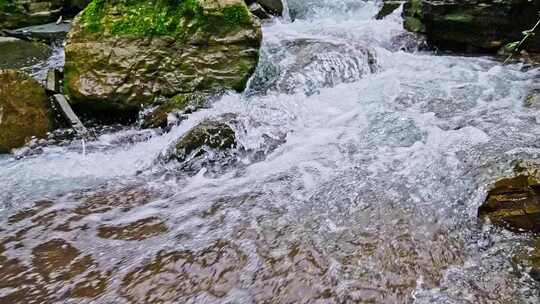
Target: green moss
{"points": [[177, 18], [9, 6], [459, 17], [413, 25], [236, 15]]}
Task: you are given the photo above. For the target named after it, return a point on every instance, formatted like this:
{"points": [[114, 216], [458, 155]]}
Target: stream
{"points": [[362, 161]]}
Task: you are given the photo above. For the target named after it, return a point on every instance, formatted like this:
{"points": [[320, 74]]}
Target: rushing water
{"points": [[362, 165]]}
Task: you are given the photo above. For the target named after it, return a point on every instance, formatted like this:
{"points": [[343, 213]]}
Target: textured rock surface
{"points": [[207, 134], [23, 111], [18, 13], [272, 7], [484, 25], [514, 202], [121, 56]]}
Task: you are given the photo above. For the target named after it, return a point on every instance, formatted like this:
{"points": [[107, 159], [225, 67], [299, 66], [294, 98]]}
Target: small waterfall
{"points": [[286, 11]]}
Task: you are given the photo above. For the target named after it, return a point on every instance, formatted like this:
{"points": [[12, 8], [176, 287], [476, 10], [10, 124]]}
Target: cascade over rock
{"points": [[23, 110], [472, 26], [121, 55]]}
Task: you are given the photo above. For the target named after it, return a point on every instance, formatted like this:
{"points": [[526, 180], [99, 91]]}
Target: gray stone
{"points": [[52, 82], [17, 53], [46, 32], [68, 113]]}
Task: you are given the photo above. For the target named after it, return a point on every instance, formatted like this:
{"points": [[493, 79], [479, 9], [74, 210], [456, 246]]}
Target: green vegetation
{"points": [[177, 18], [8, 6], [516, 46]]}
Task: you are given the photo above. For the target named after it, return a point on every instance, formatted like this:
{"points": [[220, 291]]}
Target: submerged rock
{"points": [[17, 53], [472, 25], [23, 110], [309, 64], [529, 258], [121, 55], [183, 103], [206, 135], [514, 202]]}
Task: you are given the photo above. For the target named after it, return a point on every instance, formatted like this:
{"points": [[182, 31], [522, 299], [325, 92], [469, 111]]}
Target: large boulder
{"points": [[122, 55], [475, 26], [23, 110], [514, 202]]}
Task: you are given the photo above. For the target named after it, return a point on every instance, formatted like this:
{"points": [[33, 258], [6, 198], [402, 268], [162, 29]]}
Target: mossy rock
{"points": [[514, 202], [23, 110], [206, 135], [123, 54]]}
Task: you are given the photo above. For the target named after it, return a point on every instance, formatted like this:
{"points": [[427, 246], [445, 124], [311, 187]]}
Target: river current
{"points": [[363, 158]]}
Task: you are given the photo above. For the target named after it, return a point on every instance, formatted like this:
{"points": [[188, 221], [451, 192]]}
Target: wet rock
{"points": [[472, 26], [267, 7], [17, 53], [124, 199], [514, 202], [30, 212], [19, 13], [388, 7], [173, 276], [528, 258], [53, 80], [48, 33], [259, 11], [136, 231], [177, 105], [23, 110], [206, 135], [118, 64], [310, 64], [533, 99]]}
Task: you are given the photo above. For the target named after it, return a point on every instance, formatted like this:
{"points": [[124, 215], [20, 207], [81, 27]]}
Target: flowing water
{"points": [[361, 165]]}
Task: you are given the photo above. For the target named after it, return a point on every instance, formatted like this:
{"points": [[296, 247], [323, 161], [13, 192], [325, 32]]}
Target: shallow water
{"points": [[361, 170]]}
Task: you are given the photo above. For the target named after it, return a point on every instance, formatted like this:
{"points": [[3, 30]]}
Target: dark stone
{"points": [[514, 202], [388, 8], [472, 26], [207, 134]]}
